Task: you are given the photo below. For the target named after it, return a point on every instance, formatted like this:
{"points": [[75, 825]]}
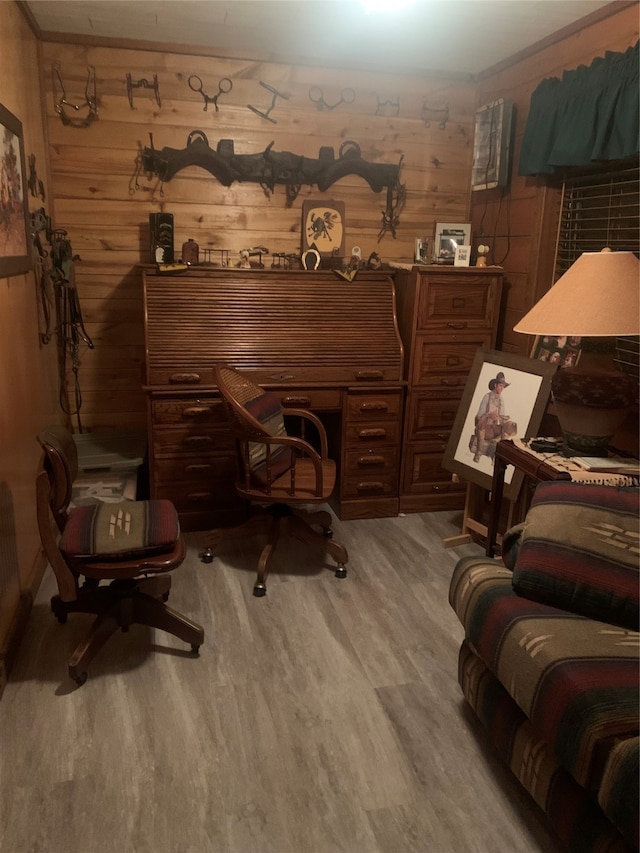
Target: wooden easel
{"points": [[472, 525]]}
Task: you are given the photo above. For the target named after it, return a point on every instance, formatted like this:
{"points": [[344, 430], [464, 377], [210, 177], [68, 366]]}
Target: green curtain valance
{"points": [[590, 115]]}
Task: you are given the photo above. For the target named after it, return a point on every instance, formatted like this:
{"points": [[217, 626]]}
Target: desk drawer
{"points": [[369, 485], [195, 469], [431, 418], [182, 377], [424, 474], [371, 461], [377, 432], [318, 399], [194, 410], [458, 305], [439, 358], [197, 439], [371, 407]]}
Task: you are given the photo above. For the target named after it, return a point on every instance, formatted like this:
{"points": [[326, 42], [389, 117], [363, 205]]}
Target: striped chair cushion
{"points": [[267, 409], [579, 549], [118, 531], [575, 679]]}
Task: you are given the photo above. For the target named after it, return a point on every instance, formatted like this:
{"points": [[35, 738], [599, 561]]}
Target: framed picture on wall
{"points": [[323, 227], [15, 254], [505, 397], [492, 145]]}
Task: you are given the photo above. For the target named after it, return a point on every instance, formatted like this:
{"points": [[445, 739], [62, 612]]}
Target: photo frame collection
{"points": [[15, 257], [560, 350], [476, 429]]}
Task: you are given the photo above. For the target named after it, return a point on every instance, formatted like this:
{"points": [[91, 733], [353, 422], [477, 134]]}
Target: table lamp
{"points": [[598, 296]]}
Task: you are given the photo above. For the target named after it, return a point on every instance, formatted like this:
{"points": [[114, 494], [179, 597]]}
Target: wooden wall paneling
{"points": [[28, 371], [529, 264], [106, 214]]}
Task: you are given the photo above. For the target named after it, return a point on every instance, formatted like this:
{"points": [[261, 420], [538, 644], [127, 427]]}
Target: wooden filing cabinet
{"points": [[444, 315]]}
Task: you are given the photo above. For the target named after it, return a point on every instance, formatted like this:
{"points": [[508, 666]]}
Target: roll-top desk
{"points": [[321, 342]]}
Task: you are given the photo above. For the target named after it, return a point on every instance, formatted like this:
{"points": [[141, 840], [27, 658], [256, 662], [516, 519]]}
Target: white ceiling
{"points": [[449, 36]]}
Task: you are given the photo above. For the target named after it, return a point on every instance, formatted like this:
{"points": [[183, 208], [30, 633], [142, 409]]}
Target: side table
{"points": [[525, 460]]}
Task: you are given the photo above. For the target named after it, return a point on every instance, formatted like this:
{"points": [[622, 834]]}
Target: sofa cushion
{"points": [[117, 531], [575, 679], [579, 549], [266, 408], [574, 816]]}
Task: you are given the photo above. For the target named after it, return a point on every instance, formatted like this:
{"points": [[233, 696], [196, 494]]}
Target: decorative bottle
{"points": [[190, 252]]}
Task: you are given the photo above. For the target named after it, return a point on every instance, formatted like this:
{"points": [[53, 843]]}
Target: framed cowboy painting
{"points": [[505, 397]]}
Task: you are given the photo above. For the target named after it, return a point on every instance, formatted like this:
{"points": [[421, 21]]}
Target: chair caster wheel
{"points": [[196, 650], [62, 618], [259, 590], [80, 679], [165, 597], [341, 572], [207, 556], [328, 533]]}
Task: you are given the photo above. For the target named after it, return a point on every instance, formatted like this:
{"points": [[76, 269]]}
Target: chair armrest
{"points": [[315, 420]]}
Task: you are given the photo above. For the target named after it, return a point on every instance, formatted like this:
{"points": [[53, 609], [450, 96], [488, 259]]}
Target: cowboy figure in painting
{"points": [[491, 420]]}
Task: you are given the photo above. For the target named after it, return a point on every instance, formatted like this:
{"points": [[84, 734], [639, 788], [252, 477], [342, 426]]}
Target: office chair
{"points": [[277, 473], [130, 544]]}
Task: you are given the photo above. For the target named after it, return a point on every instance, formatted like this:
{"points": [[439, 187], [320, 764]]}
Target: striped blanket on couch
{"points": [[573, 677]]}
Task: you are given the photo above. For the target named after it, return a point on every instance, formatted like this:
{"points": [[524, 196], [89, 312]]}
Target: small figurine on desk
{"points": [[244, 263], [374, 262], [481, 260]]}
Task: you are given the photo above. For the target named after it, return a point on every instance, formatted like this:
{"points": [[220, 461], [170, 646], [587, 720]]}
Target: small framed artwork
{"points": [[424, 250], [323, 227], [15, 255], [505, 397], [462, 256], [559, 350], [450, 235], [492, 145]]}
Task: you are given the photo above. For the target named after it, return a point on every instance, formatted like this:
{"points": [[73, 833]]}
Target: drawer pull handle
{"points": [[196, 411], [453, 361], [446, 488], [457, 325], [368, 375], [373, 432], [185, 378], [195, 468], [296, 401], [370, 487], [370, 461], [375, 406], [450, 383], [199, 497], [198, 439]]}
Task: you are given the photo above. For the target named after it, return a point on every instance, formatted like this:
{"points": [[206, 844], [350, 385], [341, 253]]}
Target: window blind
{"points": [[601, 207]]}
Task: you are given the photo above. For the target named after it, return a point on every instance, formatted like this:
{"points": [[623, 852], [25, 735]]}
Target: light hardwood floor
{"points": [[323, 718]]}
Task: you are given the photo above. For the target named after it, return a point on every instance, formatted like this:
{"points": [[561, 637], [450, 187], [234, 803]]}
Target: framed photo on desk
{"points": [[505, 397]]}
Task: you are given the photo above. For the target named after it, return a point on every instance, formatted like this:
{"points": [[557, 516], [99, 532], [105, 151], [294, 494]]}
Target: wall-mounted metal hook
{"points": [[438, 113], [90, 98], [392, 104], [225, 85], [143, 83], [267, 113], [316, 96]]}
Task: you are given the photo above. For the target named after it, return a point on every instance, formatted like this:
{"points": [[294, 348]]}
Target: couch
{"points": [[549, 662]]}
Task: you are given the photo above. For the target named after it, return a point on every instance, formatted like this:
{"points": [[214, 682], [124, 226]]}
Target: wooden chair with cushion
{"points": [[277, 472], [109, 559]]}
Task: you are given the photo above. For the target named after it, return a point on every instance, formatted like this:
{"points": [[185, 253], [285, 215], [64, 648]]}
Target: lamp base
{"points": [[591, 408]]}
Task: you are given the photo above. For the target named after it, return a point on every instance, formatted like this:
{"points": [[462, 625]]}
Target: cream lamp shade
{"points": [[599, 295]]}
